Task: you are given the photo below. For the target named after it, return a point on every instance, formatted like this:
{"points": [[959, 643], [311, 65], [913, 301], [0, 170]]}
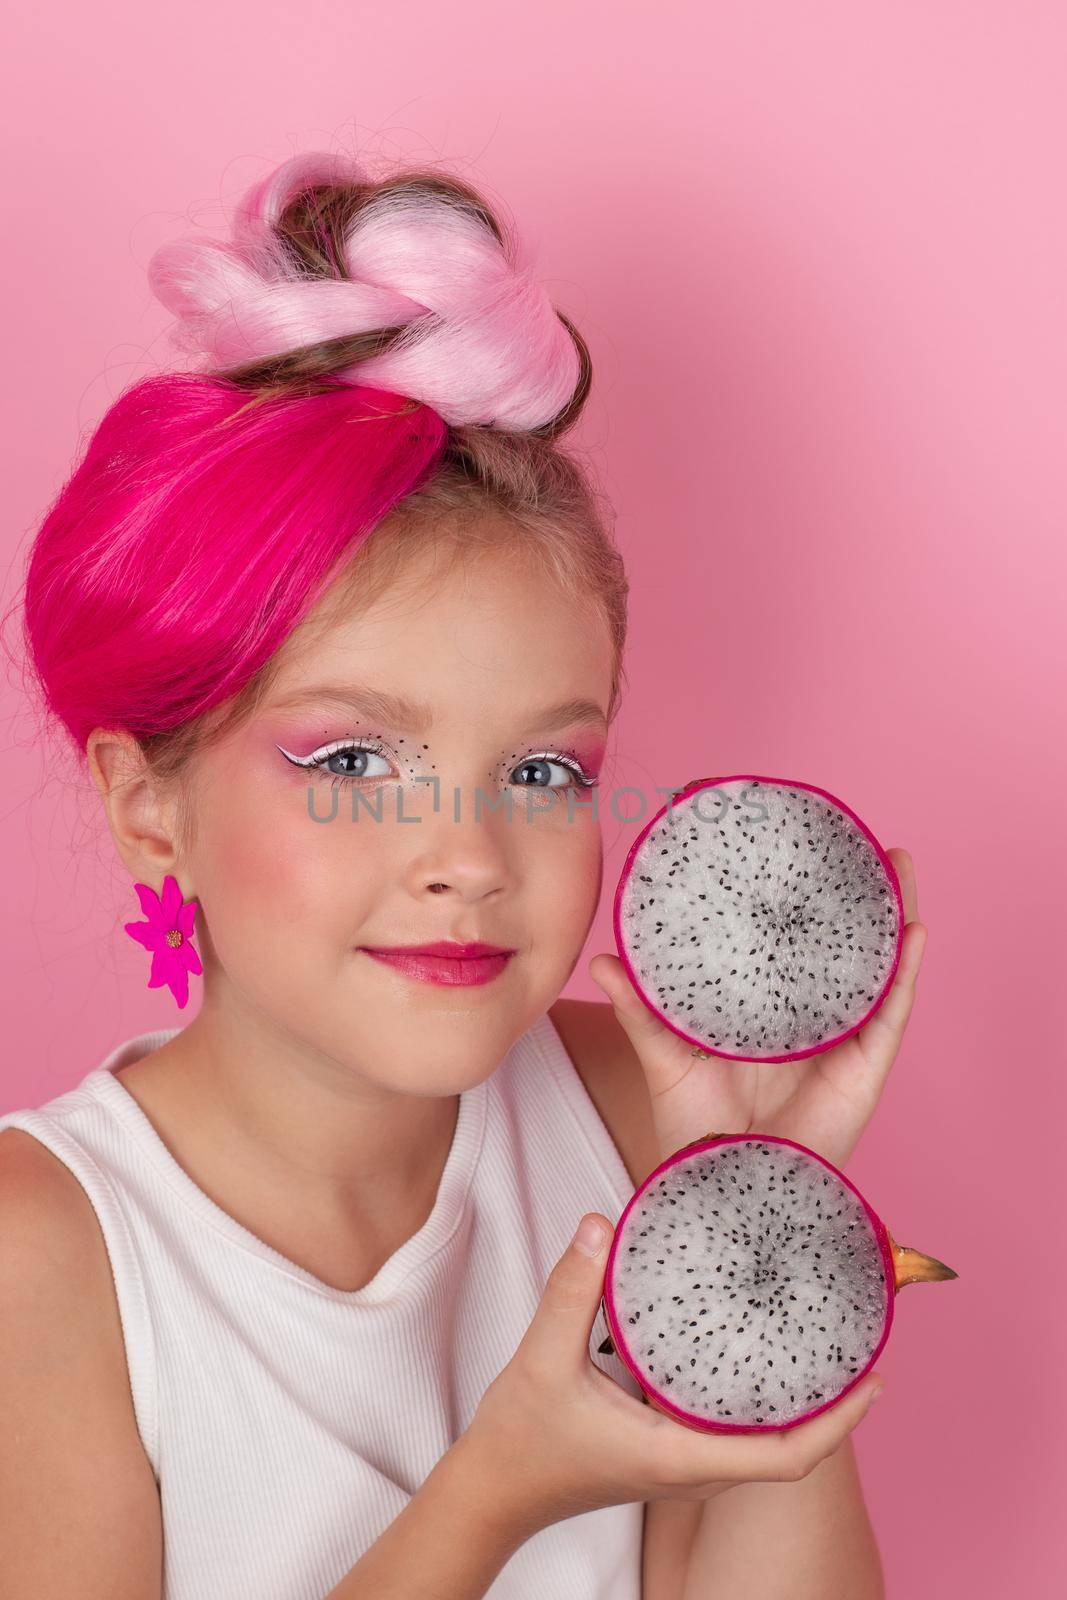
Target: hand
{"points": [[823, 1101], [554, 1436]]}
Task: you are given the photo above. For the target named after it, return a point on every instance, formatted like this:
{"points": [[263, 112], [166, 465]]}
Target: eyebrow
{"points": [[417, 717]]}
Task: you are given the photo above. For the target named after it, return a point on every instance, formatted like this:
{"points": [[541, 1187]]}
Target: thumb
{"points": [[658, 1049], [611, 977], [570, 1301]]}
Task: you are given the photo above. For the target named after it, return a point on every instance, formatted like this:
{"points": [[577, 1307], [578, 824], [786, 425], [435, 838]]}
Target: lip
{"points": [[445, 962], [442, 947]]}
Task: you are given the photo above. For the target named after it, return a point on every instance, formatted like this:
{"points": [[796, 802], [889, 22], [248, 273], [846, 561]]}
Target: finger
{"points": [[664, 1057], [609, 974], [783, 1455], [815, 1122], [904, 867], [879, 1039]]}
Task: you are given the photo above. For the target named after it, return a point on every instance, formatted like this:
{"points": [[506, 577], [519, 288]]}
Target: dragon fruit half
{"points": [[759, 918], [749, 1284]]}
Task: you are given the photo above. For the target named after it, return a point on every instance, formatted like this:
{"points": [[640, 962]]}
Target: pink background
{"points": [[818, 252]]}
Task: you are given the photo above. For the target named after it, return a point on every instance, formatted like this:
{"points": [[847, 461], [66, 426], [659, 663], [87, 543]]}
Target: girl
{"points": [[290, 1308]]}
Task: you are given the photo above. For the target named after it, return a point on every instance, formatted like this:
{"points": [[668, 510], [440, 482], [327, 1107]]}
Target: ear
{"points": [[139, 813]]}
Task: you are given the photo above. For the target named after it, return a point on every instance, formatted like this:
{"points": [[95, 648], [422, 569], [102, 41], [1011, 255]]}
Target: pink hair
{"points": [[197, 532], [487, 346], [202, 526]]}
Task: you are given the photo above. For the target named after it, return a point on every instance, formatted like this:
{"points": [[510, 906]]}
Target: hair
{"points": [[213, 508]]}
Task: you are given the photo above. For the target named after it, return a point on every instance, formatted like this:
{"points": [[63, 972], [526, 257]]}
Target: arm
{"points": [[79, 1506], [809, 1540], [670, 1527], [448, 1543]]}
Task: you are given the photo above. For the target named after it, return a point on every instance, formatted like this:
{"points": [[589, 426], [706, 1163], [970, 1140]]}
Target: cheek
{"points": [[273, 876], [562, 865]]}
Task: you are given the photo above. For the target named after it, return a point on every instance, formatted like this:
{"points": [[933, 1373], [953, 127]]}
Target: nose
{"points": [[460, 854]]}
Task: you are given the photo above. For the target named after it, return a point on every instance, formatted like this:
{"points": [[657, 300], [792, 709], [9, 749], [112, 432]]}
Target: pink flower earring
{"points": [[167, 933]]}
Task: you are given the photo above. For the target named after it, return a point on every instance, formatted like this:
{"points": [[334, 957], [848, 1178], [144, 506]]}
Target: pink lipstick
{"points": [[444, 961]]}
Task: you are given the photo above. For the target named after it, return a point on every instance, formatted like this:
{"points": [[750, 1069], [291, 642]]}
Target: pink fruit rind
{"points": [[618, 1334], [790, 783]]}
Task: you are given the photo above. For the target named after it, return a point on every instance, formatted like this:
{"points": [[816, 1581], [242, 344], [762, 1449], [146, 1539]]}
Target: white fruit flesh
{"points": [[759, 919], [749, 1284]]}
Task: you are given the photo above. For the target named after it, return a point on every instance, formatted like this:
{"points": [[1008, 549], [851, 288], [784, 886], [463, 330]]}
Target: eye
{"points": [[541, 766], [345, 758]]}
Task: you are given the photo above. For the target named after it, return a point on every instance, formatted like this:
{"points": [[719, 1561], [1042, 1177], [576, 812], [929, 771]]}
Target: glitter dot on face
{"points": [[175, 938]]}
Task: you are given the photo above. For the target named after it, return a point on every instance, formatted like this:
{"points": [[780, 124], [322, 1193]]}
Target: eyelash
{"points": [[318, 758]]}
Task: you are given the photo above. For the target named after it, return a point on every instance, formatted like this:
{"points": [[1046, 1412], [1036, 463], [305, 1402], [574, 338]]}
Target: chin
{"points": [[449, 1055]]}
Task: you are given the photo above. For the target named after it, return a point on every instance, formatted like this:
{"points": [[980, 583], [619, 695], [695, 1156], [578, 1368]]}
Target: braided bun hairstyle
{"points": [[215, 506]]}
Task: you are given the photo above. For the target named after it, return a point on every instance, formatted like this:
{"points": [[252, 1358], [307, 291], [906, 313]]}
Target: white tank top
{"points": [[288, 1423]]}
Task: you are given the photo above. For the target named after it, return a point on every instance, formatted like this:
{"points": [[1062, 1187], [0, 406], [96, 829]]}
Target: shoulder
{"points": [[45, 1212], [54, 1265], [614, 1080], [64, 1384]]}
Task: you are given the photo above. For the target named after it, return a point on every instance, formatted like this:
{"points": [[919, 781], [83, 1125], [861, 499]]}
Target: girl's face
{"points": [[366, 805]]}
